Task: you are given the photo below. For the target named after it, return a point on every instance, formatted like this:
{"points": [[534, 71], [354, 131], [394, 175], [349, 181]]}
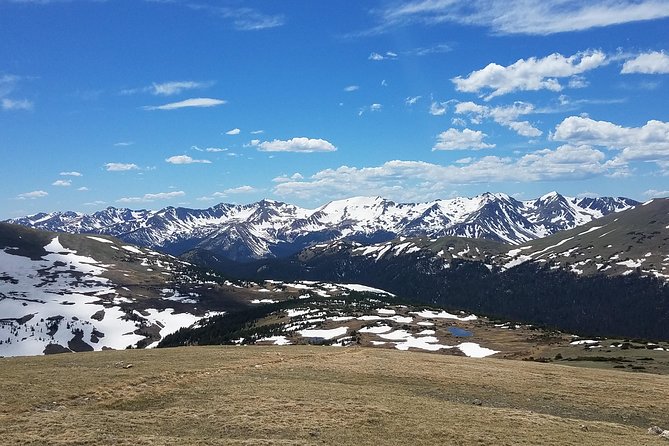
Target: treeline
{"points": [[631, 306], [232, 326]]}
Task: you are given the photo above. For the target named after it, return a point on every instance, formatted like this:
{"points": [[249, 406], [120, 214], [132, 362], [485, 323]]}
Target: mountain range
{"points": [[61, 291], [609, 277], [271, 229]]}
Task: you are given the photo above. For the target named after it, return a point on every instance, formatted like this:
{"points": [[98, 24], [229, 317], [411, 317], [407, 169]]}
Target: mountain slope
{"points": [[61, 292], [605, 278], [635, 241], [272, 229]]}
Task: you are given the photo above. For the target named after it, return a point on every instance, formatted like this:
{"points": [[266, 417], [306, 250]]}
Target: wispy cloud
{"points": [[506, 115], [121, 167], [240, 190], [170, 88], [95, 203], [234, 131], [185, 159], [32, 195], [301, 145], [534, 17], [243, 19], [411, 100], [152, 197], [438, 108], [351, 88], [376, 107], [8, 85], [124, 143], [654, 193], [231, 191], [427, 50], [209, 149], [62, 183], [385, 56], [194, 102], [16, 104], [71, 174]]}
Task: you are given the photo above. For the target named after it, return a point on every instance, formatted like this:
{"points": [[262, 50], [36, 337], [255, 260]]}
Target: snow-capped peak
{"points": [[272, 228]]}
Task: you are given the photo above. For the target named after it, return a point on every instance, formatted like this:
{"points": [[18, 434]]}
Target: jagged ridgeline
{"points": [[608, 277], [271, 229]]}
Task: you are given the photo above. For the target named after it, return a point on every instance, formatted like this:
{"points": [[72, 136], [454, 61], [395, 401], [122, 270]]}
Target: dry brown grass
{"points": [[321, 395]]}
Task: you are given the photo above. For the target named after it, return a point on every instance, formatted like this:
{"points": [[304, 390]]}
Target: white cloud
{"points": [[120, 167], [62, 183], [32, 195], [459, 122], [185, 159], [82, 189], [124, 143], [242, 18], [411, 100], [578, 82], [467, 139], [649, 142], [418, 180], [257, 132], [388, 55], [95, 203], [538, 17], [194, 102], [71, 174], [16, 104], [240, 190], [8, 84], [234, 131], [152, 197], [172, 88], [655, 62], [304, 145], [438, 108], [284, 178], [375, 107], [653, 193], [434, 49], [168, 88], [209, 149], [503, 115], [351, 88], [529, 74], [227, 192]]}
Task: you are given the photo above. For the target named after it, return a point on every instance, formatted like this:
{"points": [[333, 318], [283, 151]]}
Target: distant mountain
{"points": [[609, 277], [268, 229]]}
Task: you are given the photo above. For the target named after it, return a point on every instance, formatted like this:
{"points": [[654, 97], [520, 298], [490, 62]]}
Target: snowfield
{"points": [[63, 299]]}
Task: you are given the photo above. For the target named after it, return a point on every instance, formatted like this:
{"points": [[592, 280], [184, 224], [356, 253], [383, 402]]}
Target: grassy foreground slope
{"points": [[320, 395]]}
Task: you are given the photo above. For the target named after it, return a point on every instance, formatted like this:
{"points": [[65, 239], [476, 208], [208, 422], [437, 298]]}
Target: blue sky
{"points": [[145, 104]]}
